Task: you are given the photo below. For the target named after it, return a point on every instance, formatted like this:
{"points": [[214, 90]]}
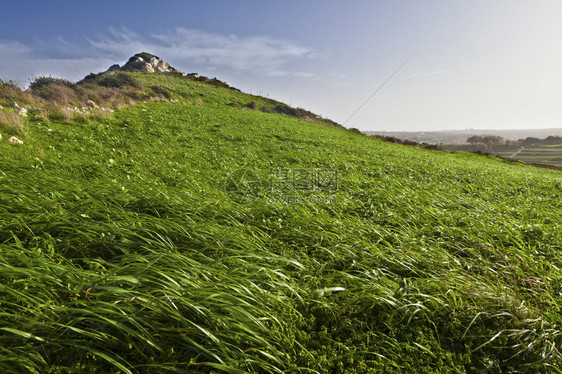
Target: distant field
{"points": [[543, 154], [460, 136]]}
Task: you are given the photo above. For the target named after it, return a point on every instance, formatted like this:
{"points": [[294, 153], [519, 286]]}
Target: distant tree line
{"points": [[549, 140], [491, 140], [487, 140]]}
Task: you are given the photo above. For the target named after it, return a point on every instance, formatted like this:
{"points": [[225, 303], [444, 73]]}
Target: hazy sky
{"points": [[476, 63]]}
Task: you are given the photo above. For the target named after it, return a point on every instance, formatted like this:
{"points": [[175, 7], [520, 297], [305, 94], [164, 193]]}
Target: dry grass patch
{"points": [[11, 122], [59, 113]]}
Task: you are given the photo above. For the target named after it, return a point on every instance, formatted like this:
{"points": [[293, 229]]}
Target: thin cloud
{"points": [[427, 74], [306, 74], [21, 63], [13, 55], [186, 49], [117, 44], [260, 54]]}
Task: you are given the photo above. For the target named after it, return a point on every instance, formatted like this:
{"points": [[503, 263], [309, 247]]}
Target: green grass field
{"points": [[124, 248]]}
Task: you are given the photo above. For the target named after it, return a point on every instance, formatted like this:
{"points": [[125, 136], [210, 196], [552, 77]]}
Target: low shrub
{"points": [[357, 131], [161, 91], [117, 80], [430, 146], [57, 114], [285, 109], [251, 105], [79, 118], [57, 92], [41, 82], [10, 91], [37, 115]]}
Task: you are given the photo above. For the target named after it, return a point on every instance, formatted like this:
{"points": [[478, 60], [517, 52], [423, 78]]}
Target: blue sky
{"points": [[493, 64]]}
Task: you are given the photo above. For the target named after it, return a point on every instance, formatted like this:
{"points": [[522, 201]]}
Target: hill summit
{"points": [[143, 78], [146, 62]]}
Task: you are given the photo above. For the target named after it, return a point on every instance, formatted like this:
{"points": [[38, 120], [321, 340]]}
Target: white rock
{"points": [[14, 140], [19, 110], [91, 104], [0, 136], [148, 63]]}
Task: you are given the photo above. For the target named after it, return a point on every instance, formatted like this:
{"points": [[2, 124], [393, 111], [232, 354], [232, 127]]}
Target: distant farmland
{"points": [[540, 154]]}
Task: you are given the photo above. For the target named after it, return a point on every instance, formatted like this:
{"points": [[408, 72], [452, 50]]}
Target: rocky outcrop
{"points": [[146, 62], [19, 110]]}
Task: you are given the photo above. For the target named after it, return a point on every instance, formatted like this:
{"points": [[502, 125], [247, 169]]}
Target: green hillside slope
{"points": [[203, 236]]}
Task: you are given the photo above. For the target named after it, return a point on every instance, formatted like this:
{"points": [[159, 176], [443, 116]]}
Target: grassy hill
{"points": [[201, 235]]}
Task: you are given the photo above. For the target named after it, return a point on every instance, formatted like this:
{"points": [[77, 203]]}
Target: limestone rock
{"points": [[19, 110], [148, 63], [14, 140], [141, 62]]}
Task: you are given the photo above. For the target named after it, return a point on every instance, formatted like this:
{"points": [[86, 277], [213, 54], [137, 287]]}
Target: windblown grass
{"points": [[121, 251], [11, 122]]}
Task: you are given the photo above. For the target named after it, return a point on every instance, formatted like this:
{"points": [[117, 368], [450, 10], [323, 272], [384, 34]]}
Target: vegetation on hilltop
{"points": [[123, 248], [99, 94]]}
